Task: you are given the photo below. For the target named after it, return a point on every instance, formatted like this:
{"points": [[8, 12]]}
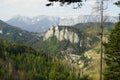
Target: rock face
{"points": [[74, 39], [61, 35], [1, 31], [68, 39]]}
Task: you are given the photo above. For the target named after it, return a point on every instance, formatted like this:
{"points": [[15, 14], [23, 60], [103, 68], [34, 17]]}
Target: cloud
{"points": [[24, 2], [91, 2]]}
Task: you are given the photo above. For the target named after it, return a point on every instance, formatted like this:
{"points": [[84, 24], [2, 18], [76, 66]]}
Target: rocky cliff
{"points": [[72, 39], [63, 34]]}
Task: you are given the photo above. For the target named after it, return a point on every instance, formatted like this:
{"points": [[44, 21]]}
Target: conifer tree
{"points": [[112, 51]]}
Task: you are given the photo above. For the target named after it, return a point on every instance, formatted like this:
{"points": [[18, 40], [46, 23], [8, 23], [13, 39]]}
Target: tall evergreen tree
{"points": [[112, 51]]}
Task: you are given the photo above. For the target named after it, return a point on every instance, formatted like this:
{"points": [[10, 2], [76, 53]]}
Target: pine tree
{"points": [[112, 52]]}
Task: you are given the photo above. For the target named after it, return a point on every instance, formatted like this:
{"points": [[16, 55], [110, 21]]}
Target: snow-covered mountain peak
{"points": [[21, 18], [36, 24]]}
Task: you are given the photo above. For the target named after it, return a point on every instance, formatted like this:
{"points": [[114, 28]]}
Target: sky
{"points": [[32, 8]]}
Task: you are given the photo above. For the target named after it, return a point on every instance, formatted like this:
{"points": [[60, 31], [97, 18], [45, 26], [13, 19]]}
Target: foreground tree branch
{"points": [[118, 3], [66, 2]]}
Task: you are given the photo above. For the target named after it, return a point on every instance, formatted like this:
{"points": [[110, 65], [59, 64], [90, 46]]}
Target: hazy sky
{"points": [[32, 8]]}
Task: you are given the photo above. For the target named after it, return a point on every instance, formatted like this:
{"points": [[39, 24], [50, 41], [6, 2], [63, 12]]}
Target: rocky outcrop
{"points": [[63, 34], [1, 31], [69, 39]]}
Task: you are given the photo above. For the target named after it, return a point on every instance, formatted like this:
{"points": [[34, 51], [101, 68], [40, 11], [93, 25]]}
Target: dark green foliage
{"points": [[20, 62], [112, 52], [92, 25], [15, 48], [85, 77]]}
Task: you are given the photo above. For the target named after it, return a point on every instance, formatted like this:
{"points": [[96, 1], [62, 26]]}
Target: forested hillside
{"points": [[60, 40], [112, 52], [74, 49], [14, 34], [20, 62]]}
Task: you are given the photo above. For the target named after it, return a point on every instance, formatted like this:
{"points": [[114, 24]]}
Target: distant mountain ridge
{"points": [[14, 34], [43, 23]]}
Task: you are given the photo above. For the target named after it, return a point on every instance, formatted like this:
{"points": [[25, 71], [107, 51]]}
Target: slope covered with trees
{"points": [[112, 52], [20, 62], [14, 34]]}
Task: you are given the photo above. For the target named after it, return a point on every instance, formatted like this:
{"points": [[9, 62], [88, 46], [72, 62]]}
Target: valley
{"points": [[77, 45], [60, 40]]}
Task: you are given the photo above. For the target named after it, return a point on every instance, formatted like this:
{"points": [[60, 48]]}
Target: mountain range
{"points": [[42, 23]]}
